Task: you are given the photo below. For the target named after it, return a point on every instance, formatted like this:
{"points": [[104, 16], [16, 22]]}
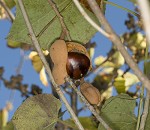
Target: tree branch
{"points": [[10, 14], [145, 14], [65, 30], [117, 42], [90, 107], [145, 111], [37, 46]]}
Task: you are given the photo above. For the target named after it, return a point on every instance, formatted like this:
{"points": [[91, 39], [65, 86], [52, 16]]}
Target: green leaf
{"points": [[46, 24], [118, 113], [39, 112], [86, 122]]}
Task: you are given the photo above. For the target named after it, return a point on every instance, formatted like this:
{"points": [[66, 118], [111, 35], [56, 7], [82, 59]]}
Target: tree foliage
{"points": [[43, 111]]}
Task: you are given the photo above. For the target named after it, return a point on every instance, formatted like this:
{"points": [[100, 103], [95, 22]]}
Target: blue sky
{"points": [[9, 58]]}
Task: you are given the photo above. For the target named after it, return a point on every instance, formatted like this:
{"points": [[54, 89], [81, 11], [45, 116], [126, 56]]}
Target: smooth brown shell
{"points": [[90, 93], [76, 47], [77, 65]]}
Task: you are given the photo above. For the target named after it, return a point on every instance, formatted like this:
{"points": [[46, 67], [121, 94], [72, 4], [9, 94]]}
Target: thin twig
{"points": [[97, 27], [37, 46], [90, 107], [81, 109], [145, 111], [145, 14], [18, 71], [61, 19], [10, 14], [140, 108], [117, 42], [74, 102]]}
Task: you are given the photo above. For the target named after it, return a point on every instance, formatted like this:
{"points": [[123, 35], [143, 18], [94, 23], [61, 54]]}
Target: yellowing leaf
{"points": [[116, 60], [13, 44], [9, 4], [45, 52], [32, 54], [36, 61], [92, 51], [108, 93], [3, 117], [38, 66], [43, 77], [120, 84], [130, 79], [99, 60], [2, 13], [136, 41]]}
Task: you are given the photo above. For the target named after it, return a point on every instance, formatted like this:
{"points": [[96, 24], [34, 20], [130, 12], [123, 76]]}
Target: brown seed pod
{"points": [[59, 56], [90, 93], [59, 74], [58, 52]]}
